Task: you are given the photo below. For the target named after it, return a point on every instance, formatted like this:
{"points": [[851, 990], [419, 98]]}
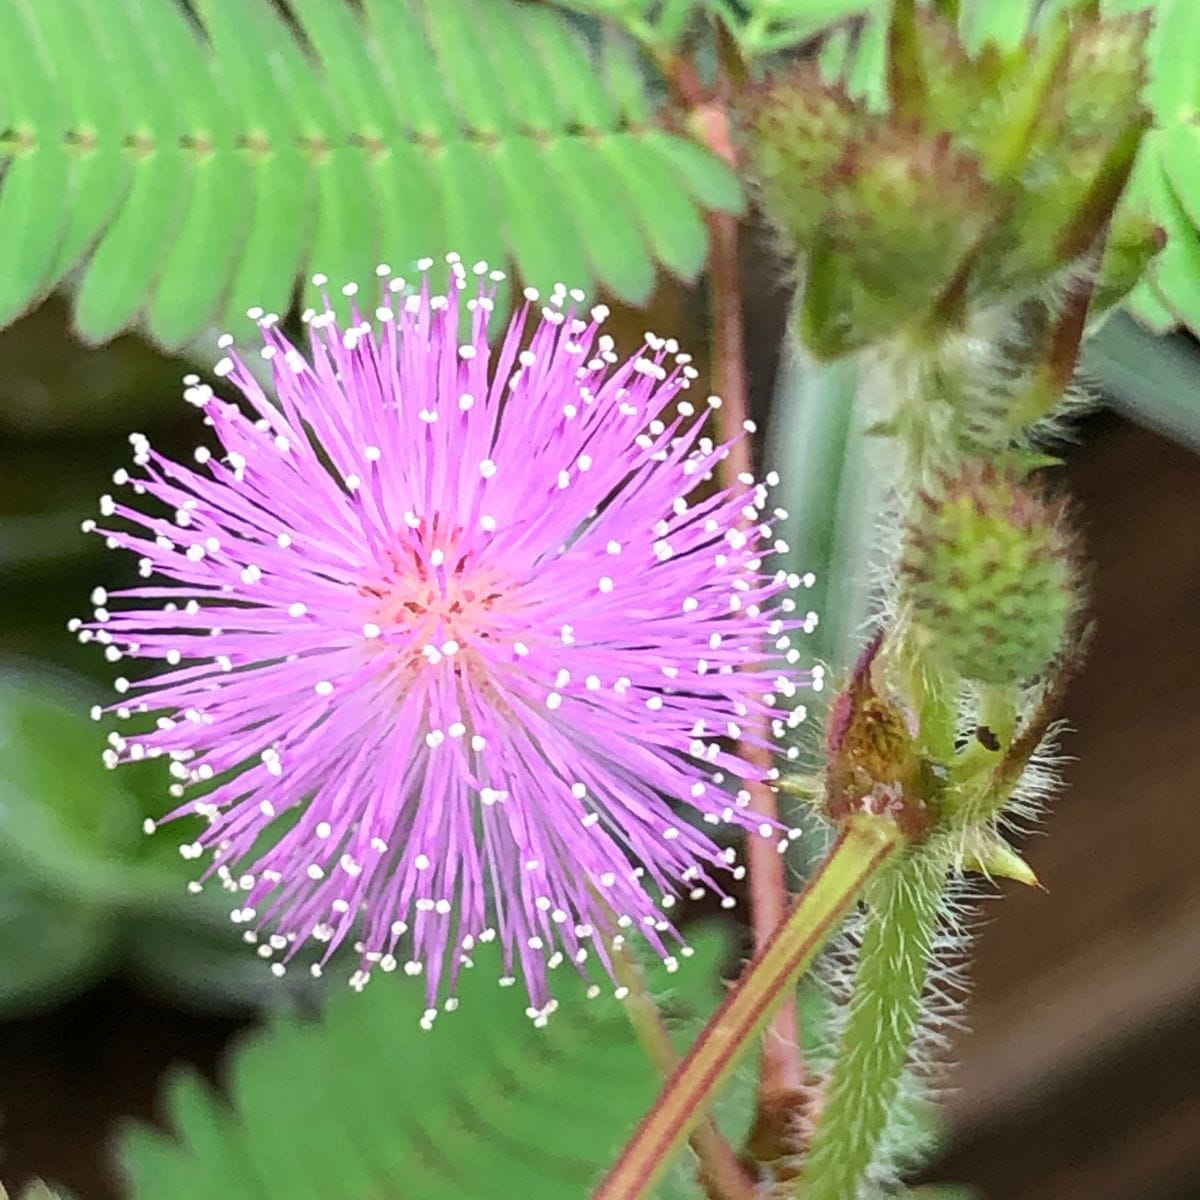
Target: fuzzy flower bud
{"points": [[797, 126], [988, 572]]}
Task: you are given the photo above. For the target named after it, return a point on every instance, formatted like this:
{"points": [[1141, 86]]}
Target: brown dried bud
{"points": [[874, 767]]}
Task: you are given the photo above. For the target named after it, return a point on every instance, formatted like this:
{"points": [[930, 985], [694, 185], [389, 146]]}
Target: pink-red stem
{"points": [[782, 1070], [782, 1064]]}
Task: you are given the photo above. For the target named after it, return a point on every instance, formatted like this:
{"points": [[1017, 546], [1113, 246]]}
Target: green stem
{"points": [[906, 87], [721, 1173], [884, 1012], [856, 857]]}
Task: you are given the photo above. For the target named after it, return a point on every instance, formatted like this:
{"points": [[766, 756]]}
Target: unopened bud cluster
{"points": [[990, 175]]}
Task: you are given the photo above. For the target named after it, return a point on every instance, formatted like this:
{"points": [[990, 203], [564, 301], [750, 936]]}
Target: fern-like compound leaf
{"points": [[250, 143], [364, 1102]]}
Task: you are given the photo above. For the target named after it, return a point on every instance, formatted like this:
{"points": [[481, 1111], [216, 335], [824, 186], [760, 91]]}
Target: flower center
{"points": [[430, 591]]}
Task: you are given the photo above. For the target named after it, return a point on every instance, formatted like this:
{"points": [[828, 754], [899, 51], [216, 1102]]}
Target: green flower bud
{"points": [[796, 126], [988, 573], [881, 180], [965, 94], [841, 185], [1080, 151]]}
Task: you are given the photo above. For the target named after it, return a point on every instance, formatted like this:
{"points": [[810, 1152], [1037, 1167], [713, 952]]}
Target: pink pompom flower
{"points": [[467, 621]]}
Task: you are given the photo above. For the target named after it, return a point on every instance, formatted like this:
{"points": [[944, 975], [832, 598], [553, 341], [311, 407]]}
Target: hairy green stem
{"points": [[858, 854], [883, 1016]]}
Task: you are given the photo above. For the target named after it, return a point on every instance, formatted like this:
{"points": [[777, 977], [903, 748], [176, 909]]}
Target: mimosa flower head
{"points": [[468, 621]]}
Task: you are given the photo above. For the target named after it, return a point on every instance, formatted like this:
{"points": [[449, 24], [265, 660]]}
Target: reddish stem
{"points": [[861, 850], [782, 1065], [721, 1174], [782, 1071]]}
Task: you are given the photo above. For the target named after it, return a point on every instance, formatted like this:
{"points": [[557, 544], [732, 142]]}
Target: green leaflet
{"points": [[243, 149], [279, 227], [1146, 305], [607, 219], [1173, 91], [128, 258], [470, 202], [1175, 275], [625, 77], [567, 61], [708, 179], [410, 222], [196, 270], [540, 228], [98, 117], [458, 35], [670, 221], [125, 266], [30, 227], [200, 263], [40, 167], [364, 1102], [1173, 94]]}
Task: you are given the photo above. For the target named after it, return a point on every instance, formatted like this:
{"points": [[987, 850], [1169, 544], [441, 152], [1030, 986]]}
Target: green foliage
{"points": [[769, 26], [366, 1103], [63, 826], [759, 27], [82, 891], [1166, 179], [243, 149]]}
